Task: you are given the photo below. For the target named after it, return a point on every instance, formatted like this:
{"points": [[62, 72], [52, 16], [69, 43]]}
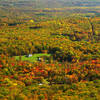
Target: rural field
{"points": [[49, 50]]}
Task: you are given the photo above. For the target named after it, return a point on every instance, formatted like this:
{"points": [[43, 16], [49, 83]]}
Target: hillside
{"points": [[49, 49]]}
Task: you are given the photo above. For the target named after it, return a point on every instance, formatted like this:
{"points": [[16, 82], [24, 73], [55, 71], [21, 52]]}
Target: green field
{"points": [[32, 58]]}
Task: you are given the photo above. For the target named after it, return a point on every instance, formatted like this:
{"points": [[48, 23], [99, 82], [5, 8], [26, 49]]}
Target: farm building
{"points": [[29, 55]]}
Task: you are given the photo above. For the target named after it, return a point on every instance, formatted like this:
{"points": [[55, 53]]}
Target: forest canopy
{"points": [[49, 49]]}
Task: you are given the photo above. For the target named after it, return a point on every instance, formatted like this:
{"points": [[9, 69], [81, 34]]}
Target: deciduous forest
{"points": [[49, 50]]}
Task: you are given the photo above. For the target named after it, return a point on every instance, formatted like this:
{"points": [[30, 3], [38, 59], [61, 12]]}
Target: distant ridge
{"points": [[49, 3]]}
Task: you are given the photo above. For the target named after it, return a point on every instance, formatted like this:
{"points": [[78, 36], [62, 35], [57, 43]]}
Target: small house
{"points": [[40, 59], [43, 58], [29, 55]]}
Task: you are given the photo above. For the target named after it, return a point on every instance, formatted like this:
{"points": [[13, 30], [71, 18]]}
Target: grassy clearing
{"points": [[32, 58]]}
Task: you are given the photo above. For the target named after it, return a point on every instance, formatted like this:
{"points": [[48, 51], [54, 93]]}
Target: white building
{"points": [[30, 55]]}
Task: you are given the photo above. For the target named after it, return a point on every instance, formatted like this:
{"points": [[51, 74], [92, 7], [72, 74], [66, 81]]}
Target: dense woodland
{"points": [[70, 35]]}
